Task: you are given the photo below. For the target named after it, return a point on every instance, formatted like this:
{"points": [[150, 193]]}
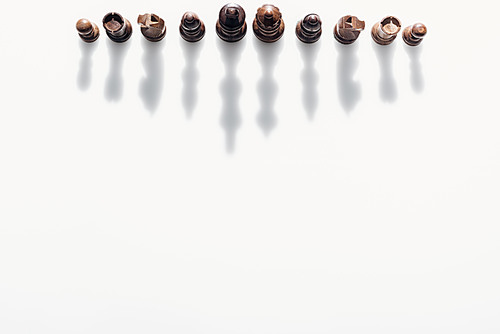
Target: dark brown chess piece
{"points": [[117, 28], [309, 29], [192, 29], [268, 25], [88, 31], [347, 29], [413, 35], [231, 25], [152, 27], [385, 31]]}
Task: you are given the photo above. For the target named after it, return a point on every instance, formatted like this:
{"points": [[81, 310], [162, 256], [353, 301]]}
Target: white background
{"points": [[211, 188]]}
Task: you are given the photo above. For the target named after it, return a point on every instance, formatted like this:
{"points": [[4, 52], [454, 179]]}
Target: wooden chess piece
{"points": [[88, 31], [117, 28], [347, 29], [308, 30], [152, 27], [413, 35], [385, 31], [268, 26], [192, 29], [231, 25]]}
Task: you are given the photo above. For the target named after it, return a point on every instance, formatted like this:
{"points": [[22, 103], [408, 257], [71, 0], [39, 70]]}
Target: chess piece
{"points": [[192, 29], [88, 31], [117, 28], [385, 31], [268, 25], [231, 25], [347, 29], [152, 27], [413, 35], [309, 29]]}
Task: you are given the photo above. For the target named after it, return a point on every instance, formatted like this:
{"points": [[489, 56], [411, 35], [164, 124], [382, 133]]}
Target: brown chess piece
{"points": [[192, 29], [231, 25], [117, 28], [268, 25], [347, 29], [88, 31], [152, 27], [309, 29], [385, 31], [413, 35]]}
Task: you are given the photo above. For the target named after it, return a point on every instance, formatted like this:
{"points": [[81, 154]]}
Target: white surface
{"points": [[353, 210]]}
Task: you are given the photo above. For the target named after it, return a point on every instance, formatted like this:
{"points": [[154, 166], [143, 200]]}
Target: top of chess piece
{"points": [[413, 35], [192, 29], [152, 27], [88, 31], [347, 29], [268, 25], [117, 28], [231, 25], [309, 29], [385, 31]]}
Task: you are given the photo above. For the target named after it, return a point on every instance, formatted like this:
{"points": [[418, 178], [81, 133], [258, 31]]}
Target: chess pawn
{"points": [[88, 31], [268, 26], [413, 35], [192, 29], [309, 29]]}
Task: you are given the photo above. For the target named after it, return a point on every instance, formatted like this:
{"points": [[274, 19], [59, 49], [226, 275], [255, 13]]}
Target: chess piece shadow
{"points": [[267, 86], [84, 77], [151, 86], [190, 75], [309, 76], [113, 90], [230, 89], [416, 77], [387, 87], [348, 89]]}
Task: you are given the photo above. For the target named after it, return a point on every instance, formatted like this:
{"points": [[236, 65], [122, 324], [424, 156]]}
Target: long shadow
{"points": [[113, 90], [267, 86], [84, 77], [151, 86], [387, 87], [349, 90], [190, 75], [230, 89], [309, 77], [416, 77]]}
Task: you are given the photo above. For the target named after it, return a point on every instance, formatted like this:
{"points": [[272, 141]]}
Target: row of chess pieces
{"points": [[268, 26]]}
